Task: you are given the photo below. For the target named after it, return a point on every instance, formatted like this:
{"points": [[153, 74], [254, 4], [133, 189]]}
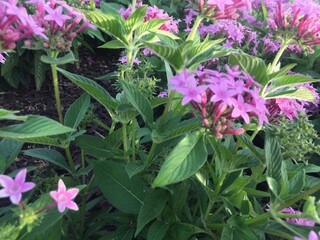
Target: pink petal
{"points": [[27, 186], [5, 181], [72, 193], [15, 199], [3, 193], [21, 176], [72, 205], [61, 186], [61, 207], [54, 195]]}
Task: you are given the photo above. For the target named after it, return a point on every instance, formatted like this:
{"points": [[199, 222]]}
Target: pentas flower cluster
{"points": [[13, 188], [61, 23], [290, 107], [296, 22], [222, 98], [153, 13], [15, 24], [299, 221]]}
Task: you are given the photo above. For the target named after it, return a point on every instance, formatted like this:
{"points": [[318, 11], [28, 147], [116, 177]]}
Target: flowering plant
{"points": [[205, 160]]}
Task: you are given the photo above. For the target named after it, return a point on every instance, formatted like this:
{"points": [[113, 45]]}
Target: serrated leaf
{"points": [[138, 101], [185, 160], [158, 230], [149, 209], [301, 93], [113, 44], [288, 81], [124, 193], [68, 58], [171, 55], [49, 155], [135, 19], [94, 89], [77, 111], [252, 65]]}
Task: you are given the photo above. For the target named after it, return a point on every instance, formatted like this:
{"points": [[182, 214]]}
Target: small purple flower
{"points": [[299, 221], [13, 188], [312, 236]]}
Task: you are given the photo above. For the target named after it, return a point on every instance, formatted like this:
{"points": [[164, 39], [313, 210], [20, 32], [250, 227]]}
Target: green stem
{"points": [[113, 125], [167, 108], [101, 124], [255, 133], [54, 54], [195, 26], [70, 160], [151, 152], [125, 141], [283, 47], [134, 2]]}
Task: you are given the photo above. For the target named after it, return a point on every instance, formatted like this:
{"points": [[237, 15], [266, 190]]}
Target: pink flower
{"points": [[63, 197], [312, 236], [299, 221], [56, 15], [13, 188]]}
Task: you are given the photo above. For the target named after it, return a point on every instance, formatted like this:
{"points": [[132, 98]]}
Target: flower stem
{"points": [[283, 47], [125, 141], [151, 152], [70, 160], [167, 108]]}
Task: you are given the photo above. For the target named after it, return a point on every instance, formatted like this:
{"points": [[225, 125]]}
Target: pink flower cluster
{"points": [[299, 221], [61, 23], [222, 98], [13, 188], [291, 107], [15, 24], [153, 13], [296, 21], [312, 236]]}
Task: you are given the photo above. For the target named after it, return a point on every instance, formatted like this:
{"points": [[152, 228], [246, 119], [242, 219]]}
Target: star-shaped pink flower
{"points": [[13, 188], [56, 15], [220, 3], [63, 197]]}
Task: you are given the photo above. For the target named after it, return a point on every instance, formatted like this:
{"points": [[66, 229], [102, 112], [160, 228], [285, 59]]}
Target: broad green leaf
{"points": [[296, 184], [160, 33], [113, 44], [149, 209], [49, 155], [98, 147], [39, 70], [252, 65], [135, 19], [169, 54], [138, 101], [34, 127], [185, 160], [77, 111], [158, 230], [109, 24], [68, 58], [183, 231], [301, 93], [287, 81], [146, 27], [94, 89], [123, 233], [283, 71], [273, 157], [124, 193], [9, 150]]}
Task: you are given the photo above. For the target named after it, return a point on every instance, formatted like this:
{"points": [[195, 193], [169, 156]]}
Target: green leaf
{"points": [[135, 19], [39, 70], [149, 209], [158, 230], [9, 150], [171, 55], [138, 101], [97, 147], [287, 81], [296, 184], [252, 65], [94, 89], [301, 93], [49, 155], [146, 27], [77, 111], [124, 193], [283, 71], [113, 44], [34, 127], [10, 115], [183, 231], [273, 157], [185, 160], [109, 24], [68, 58]]}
